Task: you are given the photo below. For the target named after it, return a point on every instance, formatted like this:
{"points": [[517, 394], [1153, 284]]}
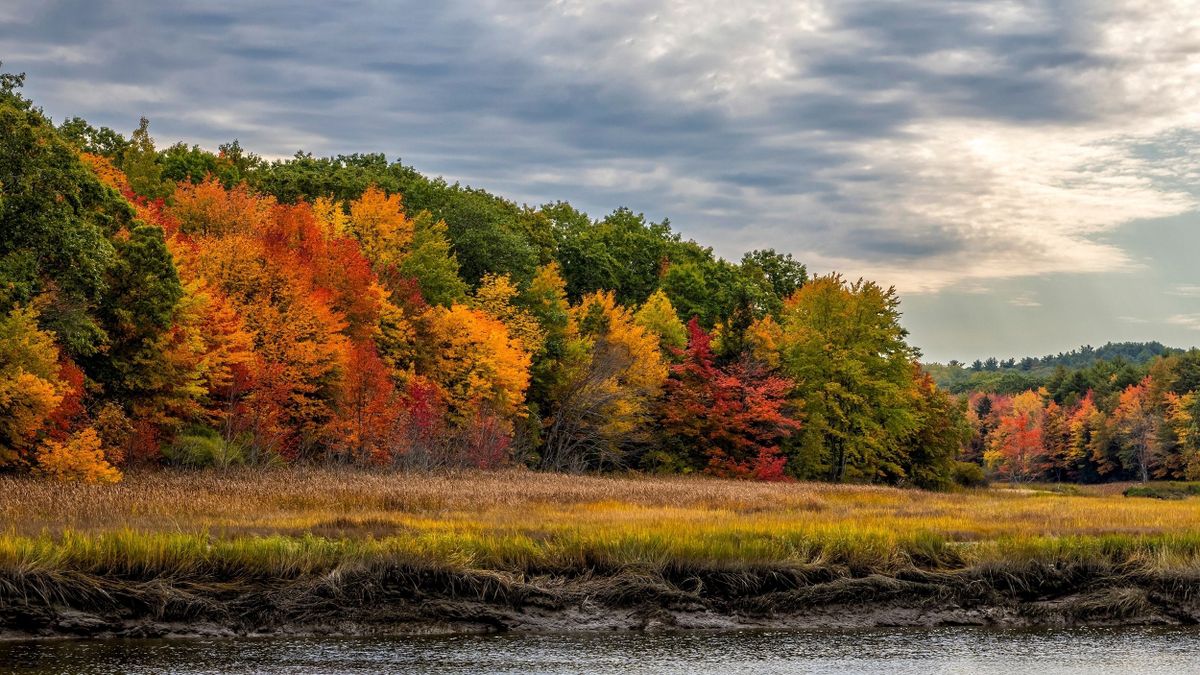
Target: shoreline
{"points": [[356, 552], [398, 600]]}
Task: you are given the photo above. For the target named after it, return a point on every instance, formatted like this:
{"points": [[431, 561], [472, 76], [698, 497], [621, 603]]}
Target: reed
{"points": [[293, 523]]}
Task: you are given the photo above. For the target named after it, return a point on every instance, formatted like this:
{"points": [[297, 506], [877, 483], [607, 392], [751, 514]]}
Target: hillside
{"points": [[1013, 375], [184, 307]]}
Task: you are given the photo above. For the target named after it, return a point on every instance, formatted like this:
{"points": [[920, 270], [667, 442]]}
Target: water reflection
{"points": [[901, 652]]}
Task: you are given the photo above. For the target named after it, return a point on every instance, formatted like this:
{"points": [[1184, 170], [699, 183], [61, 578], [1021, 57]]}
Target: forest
{"points": [[183, 307]]}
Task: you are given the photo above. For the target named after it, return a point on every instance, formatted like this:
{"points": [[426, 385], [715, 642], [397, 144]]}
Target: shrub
{"points": [[1164, 490], [80, 458], [201, 447], [969, 475]]}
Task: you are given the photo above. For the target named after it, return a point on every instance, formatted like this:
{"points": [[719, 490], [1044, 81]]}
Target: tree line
{"points": [[1110, 421], [1013, 376], [187, 307]]}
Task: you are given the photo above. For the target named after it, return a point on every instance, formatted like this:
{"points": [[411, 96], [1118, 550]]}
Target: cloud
{"points": [[929, 144], [1188, 321], [1024, 300], [1185, 291], [1132, 319]]}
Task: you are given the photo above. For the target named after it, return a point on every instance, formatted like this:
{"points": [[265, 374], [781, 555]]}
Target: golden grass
{"points": [[299, 521]]}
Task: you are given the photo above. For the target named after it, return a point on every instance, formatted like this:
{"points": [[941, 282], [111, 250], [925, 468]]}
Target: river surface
{"points": [[895, 652]]}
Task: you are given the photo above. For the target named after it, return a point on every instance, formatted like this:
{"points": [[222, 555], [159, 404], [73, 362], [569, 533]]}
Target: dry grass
{"points": [[305, 520]]}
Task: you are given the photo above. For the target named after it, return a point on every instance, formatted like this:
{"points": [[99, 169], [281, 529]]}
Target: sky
{"points": [[1025, 173]]}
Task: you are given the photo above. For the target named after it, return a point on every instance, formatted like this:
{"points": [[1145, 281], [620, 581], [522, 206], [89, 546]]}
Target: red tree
{"points": [[733, 416], [369, 408]]}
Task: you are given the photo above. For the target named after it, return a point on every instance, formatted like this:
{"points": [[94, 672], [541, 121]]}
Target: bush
{"points": [[968, 475], [80, 458], [1164, 490], [202, 447]]}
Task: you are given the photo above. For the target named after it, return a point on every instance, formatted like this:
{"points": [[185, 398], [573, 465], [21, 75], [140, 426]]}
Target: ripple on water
{"points": [[892, 651]]}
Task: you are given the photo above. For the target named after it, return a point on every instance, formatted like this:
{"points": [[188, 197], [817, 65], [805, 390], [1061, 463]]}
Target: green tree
{"points": [[658, 316], [783, 274], [624, 253], [431, 262], [845, 349], [87, 138], [941, 433], [546, 300], [141, 164], [55, 220], [144, 291]]}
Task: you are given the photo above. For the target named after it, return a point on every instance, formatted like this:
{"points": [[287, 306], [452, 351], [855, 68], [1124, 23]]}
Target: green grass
{"points": [[1165, 490]]}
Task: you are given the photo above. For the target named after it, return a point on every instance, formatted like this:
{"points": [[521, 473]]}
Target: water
{"points": [[895, 652]]}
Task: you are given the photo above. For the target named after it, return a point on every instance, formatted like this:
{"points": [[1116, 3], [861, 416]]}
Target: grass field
{"points": [[297, 522]]}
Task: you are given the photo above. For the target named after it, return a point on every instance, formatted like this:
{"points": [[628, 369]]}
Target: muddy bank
{"points": [[403, 599]]}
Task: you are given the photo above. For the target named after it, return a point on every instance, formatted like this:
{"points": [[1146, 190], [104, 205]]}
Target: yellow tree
{"points": [[494, 297], [612, 374], [378, 222], [80, 458], [331, 216], [763, 339], [1089, 439], [1136, 423], [477, 363], [1183, 416], [211, 347], [29, 386], [658, 316]]}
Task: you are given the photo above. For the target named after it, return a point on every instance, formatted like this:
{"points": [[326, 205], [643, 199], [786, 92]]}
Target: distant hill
{"points": [[1013, 375]]}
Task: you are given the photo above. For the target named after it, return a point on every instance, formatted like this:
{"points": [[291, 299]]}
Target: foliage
{"points": [[494, 297], [432, 264], [968, 475], [203, 447], [729, 421], [1016, 448], [214, 308], [142, 166], [56, 220], [607, 381], [941, 433], [843, 346], [658, 316], [1136, 424], [378, 222], [29, 387], [80, 458], [208, 208], [478, 364]]}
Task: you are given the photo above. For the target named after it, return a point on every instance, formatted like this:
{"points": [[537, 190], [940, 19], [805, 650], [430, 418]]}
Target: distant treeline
{"points": [[1127, 411], [1086, 364]]}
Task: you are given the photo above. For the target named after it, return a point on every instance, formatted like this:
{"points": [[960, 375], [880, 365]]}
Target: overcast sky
{"points": [[1025, 173]]}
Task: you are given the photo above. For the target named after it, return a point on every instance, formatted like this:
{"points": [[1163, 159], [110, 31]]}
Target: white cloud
{"points": [[1189, 321], [1185, 291], [1024, 300]]}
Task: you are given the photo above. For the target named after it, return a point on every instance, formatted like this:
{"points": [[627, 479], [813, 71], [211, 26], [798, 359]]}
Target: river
{"points": [[892, 651]]}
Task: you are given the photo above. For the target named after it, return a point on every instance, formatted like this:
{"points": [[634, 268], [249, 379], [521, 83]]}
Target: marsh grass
{"points": [[288, 524]]}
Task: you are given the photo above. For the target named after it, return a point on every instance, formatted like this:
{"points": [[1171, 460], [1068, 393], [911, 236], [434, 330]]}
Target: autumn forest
{"points": [[172, 306]]}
